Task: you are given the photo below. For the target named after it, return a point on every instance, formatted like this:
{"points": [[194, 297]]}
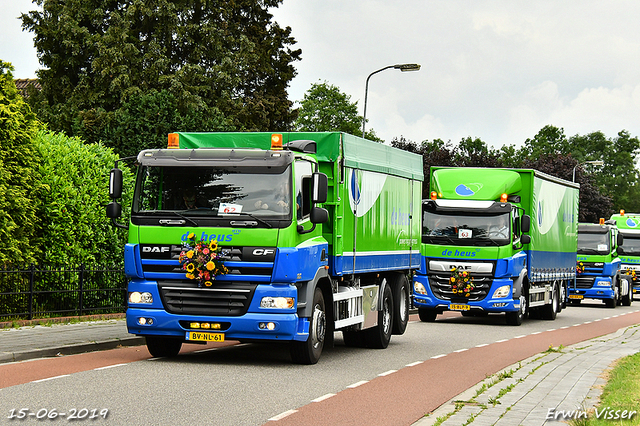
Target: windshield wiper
{"points": [[193, 222], [264, 222], [587, 250]]}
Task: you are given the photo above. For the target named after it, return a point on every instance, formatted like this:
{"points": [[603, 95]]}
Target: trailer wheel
{"points": [[378, 337], [516, 318], [550, 311], [427, 315], [401, 308], [160, 347], [309, 352]]}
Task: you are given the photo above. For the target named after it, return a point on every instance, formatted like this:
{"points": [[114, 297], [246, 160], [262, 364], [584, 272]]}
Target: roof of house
{"points": [[23, 83]]}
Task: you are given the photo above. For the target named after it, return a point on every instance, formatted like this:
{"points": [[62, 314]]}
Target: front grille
{"points": [[585, 282], [441, 287], [223, 298]]}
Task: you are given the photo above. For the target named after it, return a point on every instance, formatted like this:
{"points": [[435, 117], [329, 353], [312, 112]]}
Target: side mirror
{"points": [[115, 183], [525, 224], [114, 210], [620, 240], [525, 239], [319, 215], [320, 188]]}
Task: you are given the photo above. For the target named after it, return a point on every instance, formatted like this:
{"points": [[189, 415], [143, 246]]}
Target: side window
{"points": [[303, 172]]}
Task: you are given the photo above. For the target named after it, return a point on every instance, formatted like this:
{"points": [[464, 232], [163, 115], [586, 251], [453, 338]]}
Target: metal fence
{"points": [[52, 291]]}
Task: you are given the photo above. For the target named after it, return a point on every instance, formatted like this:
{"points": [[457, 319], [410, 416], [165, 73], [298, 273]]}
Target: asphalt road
{"points": [[250, 384]]}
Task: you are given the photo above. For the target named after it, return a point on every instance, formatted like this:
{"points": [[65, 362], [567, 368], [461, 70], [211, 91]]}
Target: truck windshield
{"points": [[207, 191], [438, 228], [589, 243], [631, 245]]}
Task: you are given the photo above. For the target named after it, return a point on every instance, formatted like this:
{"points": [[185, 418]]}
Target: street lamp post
{"points": [[401, 67], [594, 162]]}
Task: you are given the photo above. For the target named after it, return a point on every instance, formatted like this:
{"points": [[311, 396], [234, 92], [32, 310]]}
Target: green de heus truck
{"points": [[599, 273], [313, 233], [629, 252], [496, 241]]}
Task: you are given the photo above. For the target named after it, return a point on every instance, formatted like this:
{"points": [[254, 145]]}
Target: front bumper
{"points": [[488, 304]]}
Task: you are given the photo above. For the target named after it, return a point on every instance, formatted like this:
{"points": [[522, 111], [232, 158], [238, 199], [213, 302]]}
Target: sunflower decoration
{"points": [[579, 267], [632, 273], [202, 260], [461, 282]]}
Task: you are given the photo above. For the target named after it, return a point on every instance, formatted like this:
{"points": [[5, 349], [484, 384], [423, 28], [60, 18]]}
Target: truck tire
{"points": [[550, 311], [627, 298], [427, 315], [612, 303], [309, 352], [516, 318], [161, 347], [401, 300], [378, 337]]}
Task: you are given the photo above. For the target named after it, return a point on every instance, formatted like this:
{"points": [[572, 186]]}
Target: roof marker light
{"points": [[276, 142], [503, 198], [434, 195], [174, 141], [621, 212], [602, 221]]}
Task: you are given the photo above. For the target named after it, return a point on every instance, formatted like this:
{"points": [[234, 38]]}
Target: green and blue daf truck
{"points": [[271, 237], [599, 273], [496, 241], [629, 252]]}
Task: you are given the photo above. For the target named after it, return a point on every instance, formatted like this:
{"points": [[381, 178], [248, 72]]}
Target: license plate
{"points": [[199, 336], [576, 296], [454, 307]]}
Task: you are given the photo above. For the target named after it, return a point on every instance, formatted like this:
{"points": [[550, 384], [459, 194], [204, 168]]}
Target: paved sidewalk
{"points": [[542, 389], [29, 342]]}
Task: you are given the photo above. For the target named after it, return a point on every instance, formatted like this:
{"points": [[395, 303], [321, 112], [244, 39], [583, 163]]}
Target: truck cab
{"points": [[629, 252], [599, 272]]}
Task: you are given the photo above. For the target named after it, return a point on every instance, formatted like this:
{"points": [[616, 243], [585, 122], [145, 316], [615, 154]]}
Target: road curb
{"points": [[6, 357]]}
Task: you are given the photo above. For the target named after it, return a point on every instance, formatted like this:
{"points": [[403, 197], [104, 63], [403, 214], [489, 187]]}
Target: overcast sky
{"points": [[499, 70]]}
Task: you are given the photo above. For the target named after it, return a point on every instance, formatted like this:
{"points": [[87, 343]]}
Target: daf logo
{"points": [[463, 267], [155, 249], [263, 252]]}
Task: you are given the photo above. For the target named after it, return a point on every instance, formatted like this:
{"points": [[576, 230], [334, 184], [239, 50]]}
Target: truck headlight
{"points": [[138, 297], [419, 288], [277, 302], [502, 291]]}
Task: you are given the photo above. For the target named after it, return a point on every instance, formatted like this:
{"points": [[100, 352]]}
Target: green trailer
{"points": [[312, 232], [497, 241]]}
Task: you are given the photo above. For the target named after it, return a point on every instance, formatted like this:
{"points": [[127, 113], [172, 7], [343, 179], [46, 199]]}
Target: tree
{"points": [[325, 108], [225, 58], [72, 214], [20, 190]]}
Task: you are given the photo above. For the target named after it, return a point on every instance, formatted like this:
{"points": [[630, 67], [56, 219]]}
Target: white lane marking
{"points": [[109, 366], [355, 385], [323, 397], [50, 378], [520, 336], [438, 356], [282, 415], [386, 373], [482, 345], [413, 364], [501, 341], [461, 350]]}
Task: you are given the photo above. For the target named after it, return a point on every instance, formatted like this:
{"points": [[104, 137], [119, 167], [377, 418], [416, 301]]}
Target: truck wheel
{"points": [[378, 337], [516, 318], [550, 311], [309, 352], [401, 308], [160, 347], [626, 299], [427, 315]]}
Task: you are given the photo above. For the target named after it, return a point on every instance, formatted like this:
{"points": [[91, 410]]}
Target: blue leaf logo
{"points": [[464, 191], [631, 223]]}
